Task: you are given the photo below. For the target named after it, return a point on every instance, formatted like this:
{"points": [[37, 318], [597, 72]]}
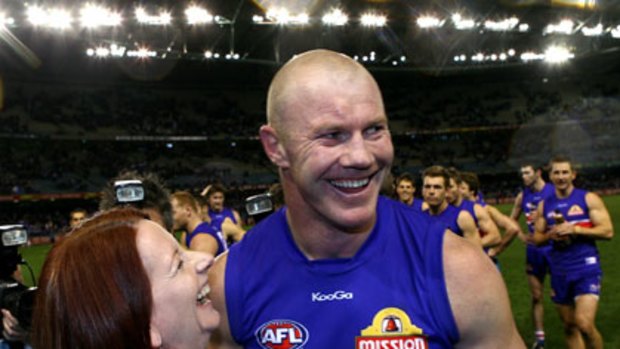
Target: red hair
{"points": [[94, 291]]}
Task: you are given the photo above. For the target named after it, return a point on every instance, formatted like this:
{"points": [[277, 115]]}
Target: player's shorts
{"points": [[537, 260], [566, 287]]}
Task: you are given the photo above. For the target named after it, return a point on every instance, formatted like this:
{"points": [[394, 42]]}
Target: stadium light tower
{"points": [[52, 18], [164, 18], [426, 22], [336, 18], [373, 20], [557, 54], [93, 16], [197, 15]]}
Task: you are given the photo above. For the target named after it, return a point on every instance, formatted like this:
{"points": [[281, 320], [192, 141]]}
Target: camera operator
{"points": [[16, 299]]}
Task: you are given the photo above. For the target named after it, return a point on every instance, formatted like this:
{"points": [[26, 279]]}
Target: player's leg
{"points": [[572, 334], [587, 290]]}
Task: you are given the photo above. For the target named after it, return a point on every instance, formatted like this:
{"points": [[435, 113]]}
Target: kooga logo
{"points": [[336, 296]]}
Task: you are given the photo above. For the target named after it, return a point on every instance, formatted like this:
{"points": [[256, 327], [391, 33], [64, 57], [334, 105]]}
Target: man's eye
{"points": [[374, 129], [331, 135], [180, 265]]}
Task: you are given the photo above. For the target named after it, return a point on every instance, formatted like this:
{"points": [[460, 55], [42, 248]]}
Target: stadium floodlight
{"points": [[558, 54], [564, 27], [6, 21], [615, 32], [141, 53], [52, 18], [208, 54], [461, 23], [373, 20], [117, 51], [507, 24], [93, 16], [102, 52], [197, 15], [164, 18], [532, 56], [335, 18], [593, 31], [478, 57], [524, 27], [283, 17], [426, 22]]}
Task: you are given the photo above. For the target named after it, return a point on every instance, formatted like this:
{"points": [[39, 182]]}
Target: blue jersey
{"points": [[206, 228], [392, 293], [415, 205], [217, 218], [530, 200], [579, 253], [468, 206], [449, 217]]}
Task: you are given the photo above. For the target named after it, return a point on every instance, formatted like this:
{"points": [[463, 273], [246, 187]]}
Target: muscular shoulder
{"points": [[477, 294]]}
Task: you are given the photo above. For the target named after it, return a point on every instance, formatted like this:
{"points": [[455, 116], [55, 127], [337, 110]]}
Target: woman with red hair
{"points": [[121, 281]]}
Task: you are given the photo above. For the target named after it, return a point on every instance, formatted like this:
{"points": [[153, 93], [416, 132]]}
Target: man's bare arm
{"points": [[221, 338], [487, 226], [468, 227], [481, 309]]}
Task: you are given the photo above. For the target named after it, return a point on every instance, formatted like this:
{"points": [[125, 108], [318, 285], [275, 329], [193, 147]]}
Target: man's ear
{"points": [[273, 147], [155, 337]]}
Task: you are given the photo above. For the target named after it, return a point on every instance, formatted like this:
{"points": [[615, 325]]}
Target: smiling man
{"points": [[339, 266], [572, 219]]}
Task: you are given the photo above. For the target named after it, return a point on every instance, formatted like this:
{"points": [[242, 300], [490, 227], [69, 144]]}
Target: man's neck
{"points": [[564, 193], [317, 239], [437, 210], [539, 184], [192, 224]]}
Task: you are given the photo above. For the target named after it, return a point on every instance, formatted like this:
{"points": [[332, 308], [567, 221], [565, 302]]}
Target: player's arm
{"points": [[221, 337], [510, 227], [540, 235], [602, 227], [516, 208], [230, 229], [238, 218], [481, 309], [468, 227], [487, 225], [204, 243]]}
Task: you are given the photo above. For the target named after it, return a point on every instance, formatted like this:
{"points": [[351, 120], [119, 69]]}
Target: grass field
{"points": [[513, 266]]}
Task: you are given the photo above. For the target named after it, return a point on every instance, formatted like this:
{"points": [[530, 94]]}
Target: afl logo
{"points": [[282, 334]]}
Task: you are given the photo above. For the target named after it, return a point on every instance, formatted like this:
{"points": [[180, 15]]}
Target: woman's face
{"points": [[183, 316]]}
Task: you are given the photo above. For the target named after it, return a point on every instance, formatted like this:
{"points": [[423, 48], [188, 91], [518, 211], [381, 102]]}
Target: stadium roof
{"points": [[429, 36]]}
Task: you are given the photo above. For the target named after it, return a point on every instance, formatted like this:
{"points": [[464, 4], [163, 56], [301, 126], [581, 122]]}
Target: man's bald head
{"points": [[298, 76]]}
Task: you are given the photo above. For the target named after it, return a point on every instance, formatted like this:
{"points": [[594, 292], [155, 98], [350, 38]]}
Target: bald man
{"points": [[340, 266]]}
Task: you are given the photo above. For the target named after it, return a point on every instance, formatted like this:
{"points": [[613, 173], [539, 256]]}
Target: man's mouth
{"points": [[350, 183]]}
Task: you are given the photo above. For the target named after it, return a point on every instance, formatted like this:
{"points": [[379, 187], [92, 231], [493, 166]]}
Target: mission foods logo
{"points": [[391, 329], [282, 334]]}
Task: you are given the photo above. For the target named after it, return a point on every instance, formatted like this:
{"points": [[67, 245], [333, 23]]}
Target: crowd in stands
{"points": [[63, 137]]}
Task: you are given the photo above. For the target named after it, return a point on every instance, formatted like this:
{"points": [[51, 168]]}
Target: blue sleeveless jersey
{"points": [[530, 200], [415, 205], [579, 253], [468, 206], [217, 218], [206, 228], [449, 217], [391, 294]]}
